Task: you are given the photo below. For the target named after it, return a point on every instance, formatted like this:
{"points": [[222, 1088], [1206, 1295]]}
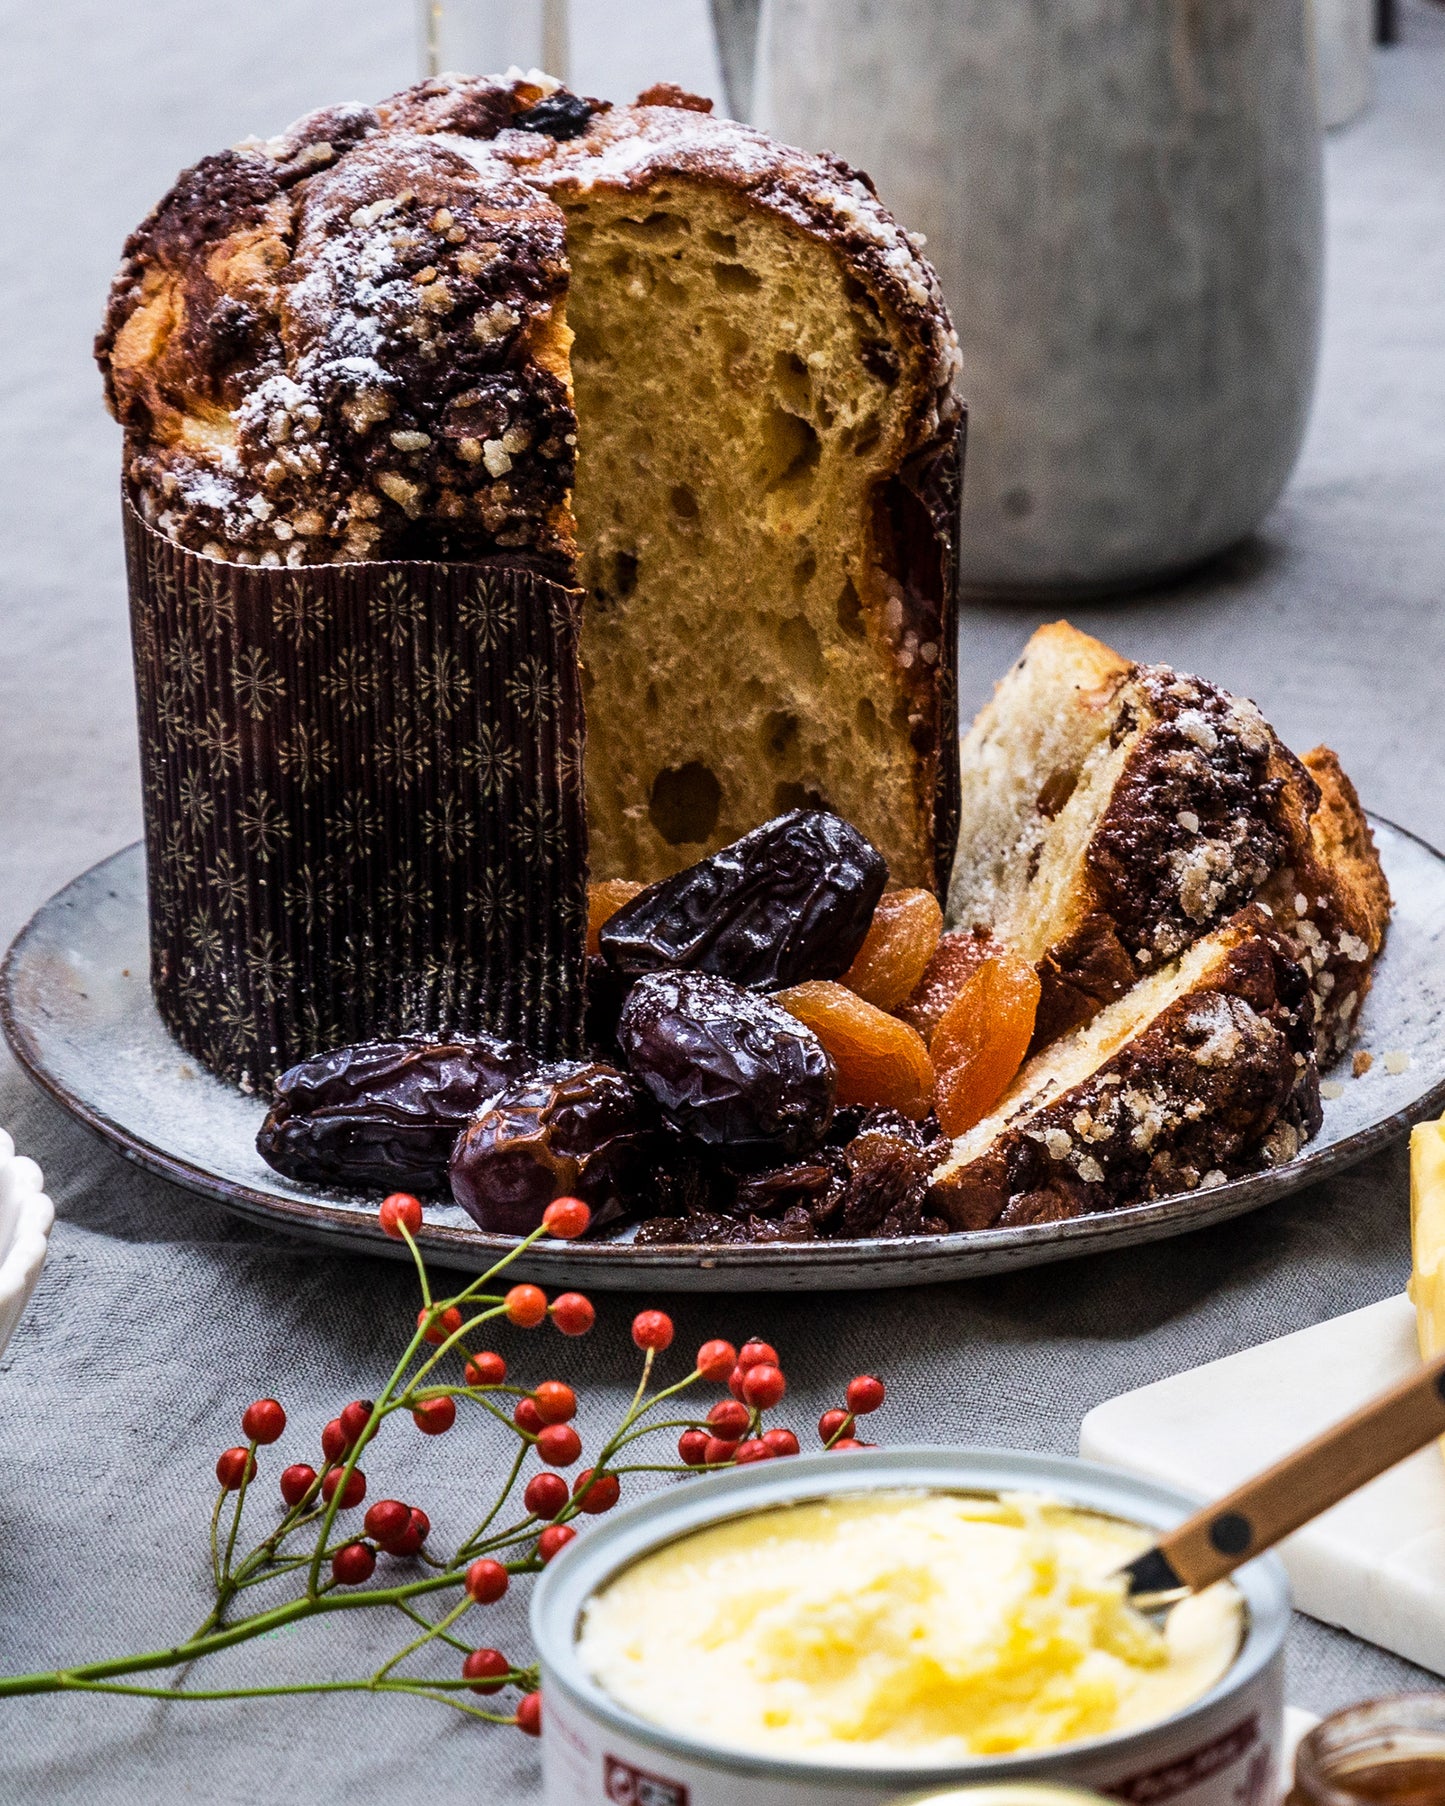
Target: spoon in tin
{"points": [[1224, 1535]]}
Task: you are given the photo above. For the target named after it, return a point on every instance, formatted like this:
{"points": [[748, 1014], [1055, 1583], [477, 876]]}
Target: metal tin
{"points": [[1005, 1793], [1222, 1750]]}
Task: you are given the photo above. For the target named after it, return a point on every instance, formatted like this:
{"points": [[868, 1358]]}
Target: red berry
{"points": [[486, 1369], [757, 1354], [728, 1420], [235, 1466], [435, 1416], [386, 1521], [847, 1442], [865, 1394], [652, 1329], [353, 1563], [553, 1540], [596, 1495], [718, 1451], [834, 1423], [555, 1402], [545, 1495], [529, 1714], [335, 1443], [566, 1218], [781, 1442], [558, 1444], [735, 1382], [355, 1487], [355, 1418], [763, 1386], [415, 1534], [487, 1581], [573, 1313], [692, 1447], [716, 1360], [436, 1325], [527, 1417], [481, 1665], [525, 1306], [264, 1421], [296, 1482], [398, 1211], [754, 1449]]}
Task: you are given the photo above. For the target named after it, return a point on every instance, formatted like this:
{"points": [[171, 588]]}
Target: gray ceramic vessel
{"points": [[1123, 199]]}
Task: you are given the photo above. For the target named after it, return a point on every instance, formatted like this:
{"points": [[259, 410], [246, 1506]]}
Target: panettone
{"points": [[1202, 1072], [351, 342], [1116, 812]]}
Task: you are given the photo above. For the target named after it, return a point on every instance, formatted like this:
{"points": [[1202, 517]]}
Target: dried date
{"points": [[570, 1130], [789, 902], [383, 1114], [731, 1068]]}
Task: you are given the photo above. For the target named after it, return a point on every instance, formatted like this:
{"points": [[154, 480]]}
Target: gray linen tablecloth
{"points": [[157, 1314]]}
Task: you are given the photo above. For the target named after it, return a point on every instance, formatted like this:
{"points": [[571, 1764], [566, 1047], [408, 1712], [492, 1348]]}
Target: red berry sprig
{"points": [[307, 1550]]}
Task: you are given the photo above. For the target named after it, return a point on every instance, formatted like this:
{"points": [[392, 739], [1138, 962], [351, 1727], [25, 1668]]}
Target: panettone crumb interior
{"points": [[737, 404], [1035, 777]]}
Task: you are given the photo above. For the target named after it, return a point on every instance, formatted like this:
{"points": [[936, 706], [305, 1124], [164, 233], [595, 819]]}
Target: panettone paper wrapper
{"points": [[363, 798]]}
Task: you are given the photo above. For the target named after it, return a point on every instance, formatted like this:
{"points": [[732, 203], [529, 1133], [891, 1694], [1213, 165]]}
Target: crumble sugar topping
{"points": [[369, 371]]}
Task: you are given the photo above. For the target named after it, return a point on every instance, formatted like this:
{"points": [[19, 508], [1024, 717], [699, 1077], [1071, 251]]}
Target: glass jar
{"points": [[1385, 1752]]}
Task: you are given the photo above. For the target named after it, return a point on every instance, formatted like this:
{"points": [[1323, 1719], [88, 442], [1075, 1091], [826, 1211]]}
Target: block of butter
{"points": [[1427, 1235]]}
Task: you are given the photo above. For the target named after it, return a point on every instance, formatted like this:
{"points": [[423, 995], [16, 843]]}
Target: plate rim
{"points": [[829, 1263]]}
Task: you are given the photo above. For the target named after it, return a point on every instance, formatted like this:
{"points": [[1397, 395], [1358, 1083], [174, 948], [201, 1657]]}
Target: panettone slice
{"points": [[1114, 813], [1203, 1072]]}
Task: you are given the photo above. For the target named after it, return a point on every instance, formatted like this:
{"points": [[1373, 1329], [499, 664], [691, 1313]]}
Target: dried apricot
{"points": [[880, 1060], [603, 902], [955, 960], [901, 940], [983, 1037]]}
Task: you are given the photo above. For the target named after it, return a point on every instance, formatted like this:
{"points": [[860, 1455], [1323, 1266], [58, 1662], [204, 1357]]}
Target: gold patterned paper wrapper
{"points": [[364, 812]]}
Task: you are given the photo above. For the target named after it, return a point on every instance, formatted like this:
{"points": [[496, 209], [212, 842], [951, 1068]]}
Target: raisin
{"points": [[786, 1188], [788, 902], [727, 1066], [569, 1130], [954, 961], [603, 902], [902, 937], [880, 1060], [383, 1113], [887, 1182], [561, 115], [980, 1044]]}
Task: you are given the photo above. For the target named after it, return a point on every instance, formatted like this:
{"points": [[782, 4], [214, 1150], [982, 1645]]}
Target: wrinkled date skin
{"points": [[729, 1067], [788, 902], [569, 1130], [384, 1114]]}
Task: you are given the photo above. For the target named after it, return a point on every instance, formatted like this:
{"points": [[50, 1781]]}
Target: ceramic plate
{"points": [[76, 1009]]}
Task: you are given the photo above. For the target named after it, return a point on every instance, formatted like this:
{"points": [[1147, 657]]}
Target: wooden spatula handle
{"points": [[1256, 1515]]}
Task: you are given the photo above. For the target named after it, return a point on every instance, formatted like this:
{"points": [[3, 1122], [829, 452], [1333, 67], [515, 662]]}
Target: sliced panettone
{"points": [[1203, 1072], [1114, 813], [354, 342]]}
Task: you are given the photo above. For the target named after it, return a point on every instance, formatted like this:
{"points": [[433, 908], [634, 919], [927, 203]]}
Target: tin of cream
{"points": [[1222, 1749]]}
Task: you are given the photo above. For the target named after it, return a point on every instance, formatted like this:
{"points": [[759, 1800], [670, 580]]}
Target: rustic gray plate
{"points": [[76, 1009]]}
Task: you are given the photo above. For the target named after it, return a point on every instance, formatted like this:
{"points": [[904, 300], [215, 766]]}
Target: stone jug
{"points": [[1123, 199]]}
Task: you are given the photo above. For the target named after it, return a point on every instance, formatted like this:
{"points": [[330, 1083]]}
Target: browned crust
{"points": [[343, 345], [1208, 806], [1220, 1083], [1335, 900]]}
